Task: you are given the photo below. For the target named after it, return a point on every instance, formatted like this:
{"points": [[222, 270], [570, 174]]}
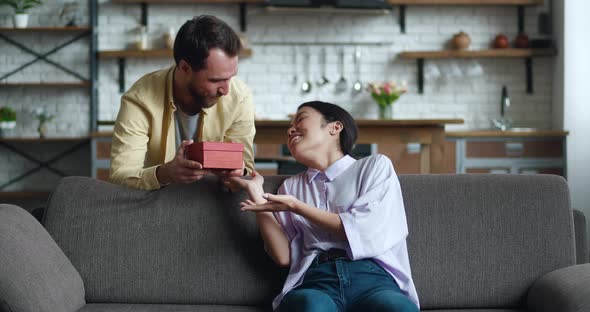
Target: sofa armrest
{"points": [[581, 237], [563, 290], [35, 275]]}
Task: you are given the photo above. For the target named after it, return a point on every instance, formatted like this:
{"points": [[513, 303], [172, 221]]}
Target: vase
{"points": [[386, 112], [42, 129], [21, 20]]}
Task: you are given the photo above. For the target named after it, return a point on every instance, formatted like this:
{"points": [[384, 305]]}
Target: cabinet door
{"points": [[514, 149]]}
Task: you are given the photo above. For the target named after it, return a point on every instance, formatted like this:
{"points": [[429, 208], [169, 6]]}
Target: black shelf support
{"points": [[529, 74], [420, 78], [242, 16], [40, 164], [43, 56], [93, 60], [402, 18], [520, 19], [122, 63], [144, 14]]}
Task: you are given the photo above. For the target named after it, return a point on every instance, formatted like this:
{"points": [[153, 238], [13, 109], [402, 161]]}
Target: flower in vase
{"points": [[43, 116], [386, 93]]}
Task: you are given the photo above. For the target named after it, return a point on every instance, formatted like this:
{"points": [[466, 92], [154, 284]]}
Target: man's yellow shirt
{"points": [[144, 136]]}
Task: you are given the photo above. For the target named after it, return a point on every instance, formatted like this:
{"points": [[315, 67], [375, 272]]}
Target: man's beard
{"points": [[200, 100]]}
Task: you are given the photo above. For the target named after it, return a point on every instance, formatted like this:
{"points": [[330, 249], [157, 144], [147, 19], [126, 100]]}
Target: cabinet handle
{"points": [[514, 149]]}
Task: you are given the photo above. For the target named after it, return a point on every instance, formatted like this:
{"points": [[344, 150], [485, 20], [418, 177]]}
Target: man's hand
{"points": [[180, 169]]}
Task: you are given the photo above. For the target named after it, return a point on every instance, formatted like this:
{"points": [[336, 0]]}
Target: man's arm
{"points": [[129, 147]]}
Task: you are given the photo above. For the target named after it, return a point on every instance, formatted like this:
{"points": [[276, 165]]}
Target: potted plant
{"points": [[21, 18], [7, 118]]}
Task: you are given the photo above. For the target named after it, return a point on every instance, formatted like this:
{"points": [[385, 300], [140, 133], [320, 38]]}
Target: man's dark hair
{"points": [[333, 112], [197, 36]]}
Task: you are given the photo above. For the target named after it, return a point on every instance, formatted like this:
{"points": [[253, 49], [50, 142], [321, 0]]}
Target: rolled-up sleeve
{"points": [[129, 147], [376, 221]]}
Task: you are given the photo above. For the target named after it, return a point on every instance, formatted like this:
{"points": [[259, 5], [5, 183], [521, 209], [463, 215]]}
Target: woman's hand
{"points": [[274, 203], [252, 186]]}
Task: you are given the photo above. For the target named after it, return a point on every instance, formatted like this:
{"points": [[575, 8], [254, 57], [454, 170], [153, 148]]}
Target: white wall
{"points": [[576, 100], [269, 71]]}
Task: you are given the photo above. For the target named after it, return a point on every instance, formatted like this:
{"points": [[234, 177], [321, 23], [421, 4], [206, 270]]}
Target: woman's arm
{"points": [[276, 242], [327, 220]]}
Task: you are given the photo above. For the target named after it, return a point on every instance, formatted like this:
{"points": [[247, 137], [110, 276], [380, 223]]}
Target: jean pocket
{"points": [[372, 266]]}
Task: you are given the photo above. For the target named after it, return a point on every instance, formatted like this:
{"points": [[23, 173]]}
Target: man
{"points": [[196, 99]]}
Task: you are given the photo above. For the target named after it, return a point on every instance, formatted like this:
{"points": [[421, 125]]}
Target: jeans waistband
{"points": [[331, 255]]}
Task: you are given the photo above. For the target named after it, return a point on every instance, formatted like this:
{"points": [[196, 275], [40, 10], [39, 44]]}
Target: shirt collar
{"points": [[333, 171]]}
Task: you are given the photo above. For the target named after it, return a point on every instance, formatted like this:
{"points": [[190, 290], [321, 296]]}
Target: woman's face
{"points": [[309, 134]]}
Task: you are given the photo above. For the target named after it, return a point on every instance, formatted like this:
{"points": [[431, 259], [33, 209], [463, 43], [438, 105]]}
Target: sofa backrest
{"points": [[479, 241], [475, 240], [184, 244]]}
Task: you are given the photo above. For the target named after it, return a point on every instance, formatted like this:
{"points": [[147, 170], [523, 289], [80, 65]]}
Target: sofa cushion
{"points": [[480, 241], [115, 307], [183, 244], [35, 275], [476, 241]]}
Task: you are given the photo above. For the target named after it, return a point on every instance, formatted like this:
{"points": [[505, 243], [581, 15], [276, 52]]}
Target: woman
{"points": [[340, 226]]}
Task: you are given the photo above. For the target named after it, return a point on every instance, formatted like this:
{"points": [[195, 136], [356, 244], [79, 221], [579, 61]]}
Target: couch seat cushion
{"points": [[117, 307]]}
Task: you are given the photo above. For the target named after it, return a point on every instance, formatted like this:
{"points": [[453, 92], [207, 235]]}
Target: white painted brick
{"points": [[269, 71]]}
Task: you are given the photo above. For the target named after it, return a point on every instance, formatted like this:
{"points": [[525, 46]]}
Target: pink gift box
{"points": [[217, 155]]}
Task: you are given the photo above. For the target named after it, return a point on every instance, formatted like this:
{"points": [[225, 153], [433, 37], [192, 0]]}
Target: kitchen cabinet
{"points": [[426, 134], [491, 151]]}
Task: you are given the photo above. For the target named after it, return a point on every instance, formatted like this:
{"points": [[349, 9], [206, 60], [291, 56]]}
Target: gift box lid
{"points": [[220, 146]]}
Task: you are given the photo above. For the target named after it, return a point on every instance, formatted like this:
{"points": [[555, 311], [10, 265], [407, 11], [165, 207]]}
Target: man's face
{"points": [[205, 86]]}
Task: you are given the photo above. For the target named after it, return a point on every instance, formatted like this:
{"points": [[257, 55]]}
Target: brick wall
{"points": [[273, 37]]}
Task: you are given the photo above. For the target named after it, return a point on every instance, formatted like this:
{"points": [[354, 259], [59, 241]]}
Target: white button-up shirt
{"points": [[367, 196]]}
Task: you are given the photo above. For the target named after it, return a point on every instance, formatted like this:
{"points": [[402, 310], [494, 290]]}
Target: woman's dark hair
{"points": [[331, 113], [197, 36]]}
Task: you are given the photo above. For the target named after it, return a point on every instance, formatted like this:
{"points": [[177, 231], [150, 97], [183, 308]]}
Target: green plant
{"points": [[21, 6], [7, 114]]}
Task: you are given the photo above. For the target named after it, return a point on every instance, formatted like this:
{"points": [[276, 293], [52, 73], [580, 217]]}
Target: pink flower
{"points": [[387, 88]]}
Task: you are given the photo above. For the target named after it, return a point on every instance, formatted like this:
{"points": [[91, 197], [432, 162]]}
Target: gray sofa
{"points": [[477, 243]]}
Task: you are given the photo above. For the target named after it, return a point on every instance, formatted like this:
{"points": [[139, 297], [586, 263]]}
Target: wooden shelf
{"points": [[526, 54], [122, 55], [82, 84], [42, 140], [24, 195], [465, 2], [186, 1], [46, 29], [490, 53], [159, 53]]}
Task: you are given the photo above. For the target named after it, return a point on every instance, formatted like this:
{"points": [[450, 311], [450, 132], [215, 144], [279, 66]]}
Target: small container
{"points": [[217, 155], [168, 38], [141, 43], [461, 41]]}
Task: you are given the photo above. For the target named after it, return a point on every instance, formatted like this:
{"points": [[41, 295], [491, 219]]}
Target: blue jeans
{"points": [[345, 285]]}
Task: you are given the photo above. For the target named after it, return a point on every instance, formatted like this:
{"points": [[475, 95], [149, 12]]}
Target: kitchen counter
{"points": [[490, 133], [429, 133]]}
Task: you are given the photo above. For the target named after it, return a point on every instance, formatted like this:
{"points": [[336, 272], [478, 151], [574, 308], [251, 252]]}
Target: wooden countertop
{"points": [[360, 122], [483, 133], [374, 122]]}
